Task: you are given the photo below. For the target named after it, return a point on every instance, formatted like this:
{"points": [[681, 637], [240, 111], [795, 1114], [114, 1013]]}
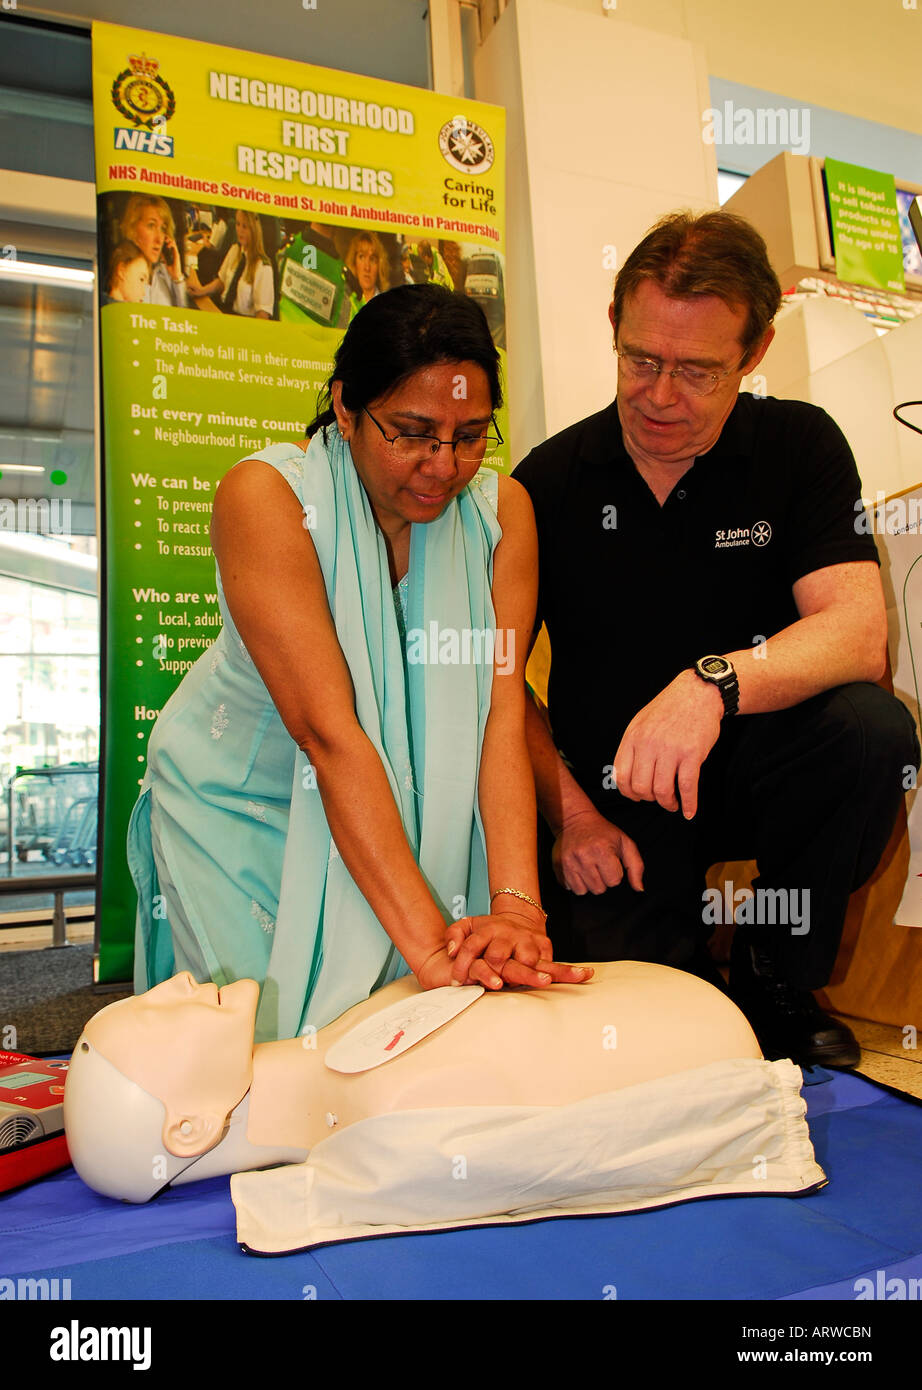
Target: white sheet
{"points": [[729, 1128]]}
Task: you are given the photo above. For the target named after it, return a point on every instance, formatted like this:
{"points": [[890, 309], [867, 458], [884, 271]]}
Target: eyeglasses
{"points": [[416, 448], [691, 379]]}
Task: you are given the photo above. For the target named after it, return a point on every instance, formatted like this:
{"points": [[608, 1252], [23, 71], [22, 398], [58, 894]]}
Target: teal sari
{"points": [[229, 846]]}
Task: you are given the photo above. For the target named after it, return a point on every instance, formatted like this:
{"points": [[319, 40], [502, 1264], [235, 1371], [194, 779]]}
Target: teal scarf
{"points": [[425, 719]]}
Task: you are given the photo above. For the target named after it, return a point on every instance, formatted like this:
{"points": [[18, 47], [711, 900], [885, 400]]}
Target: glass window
{"points": [[49, 611]]}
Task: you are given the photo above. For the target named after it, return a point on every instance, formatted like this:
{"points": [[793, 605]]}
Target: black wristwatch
{"points": [[717, 670]]}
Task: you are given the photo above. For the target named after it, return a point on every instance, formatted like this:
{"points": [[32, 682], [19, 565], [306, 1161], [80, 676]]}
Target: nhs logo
{"points": [[144, 141]]}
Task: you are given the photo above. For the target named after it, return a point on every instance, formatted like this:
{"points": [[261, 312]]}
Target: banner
{"points": [[248, 208], [865, 225]]}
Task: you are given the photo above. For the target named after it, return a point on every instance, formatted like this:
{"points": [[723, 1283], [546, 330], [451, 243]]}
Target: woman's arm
{"points": [[223, 278], [171, 259], [514, 936], [165, 289], [275, 591], [197, 291], [263, 291]]}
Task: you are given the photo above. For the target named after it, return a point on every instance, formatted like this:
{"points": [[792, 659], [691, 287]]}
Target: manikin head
{"points": [[153, 1083]]}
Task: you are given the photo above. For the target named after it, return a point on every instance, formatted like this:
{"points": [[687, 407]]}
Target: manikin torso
{"points": [[175, 1071], [631, 1022]]}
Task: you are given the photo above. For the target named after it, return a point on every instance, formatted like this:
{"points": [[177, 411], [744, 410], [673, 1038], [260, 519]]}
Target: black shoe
{"points": [[788, 1022]]}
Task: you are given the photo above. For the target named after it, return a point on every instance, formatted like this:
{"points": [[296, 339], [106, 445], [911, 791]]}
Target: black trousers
{"points": [[811, 793]]}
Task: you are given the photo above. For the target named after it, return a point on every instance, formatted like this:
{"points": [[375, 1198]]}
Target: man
{"points": [[208, 259], [716, 624]]}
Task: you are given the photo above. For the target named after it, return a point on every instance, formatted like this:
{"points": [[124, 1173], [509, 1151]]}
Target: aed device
{"points": [[32, 1139]]}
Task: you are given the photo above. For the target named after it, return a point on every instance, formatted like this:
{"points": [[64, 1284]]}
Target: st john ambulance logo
{"points": [[466, 146], [758, 534], [141, 95]]}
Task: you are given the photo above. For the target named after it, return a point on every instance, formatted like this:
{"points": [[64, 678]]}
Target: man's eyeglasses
{"points": [[692, 379], [416, 448]]}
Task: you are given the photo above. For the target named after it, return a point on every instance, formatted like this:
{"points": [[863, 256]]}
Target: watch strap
{"points": [[728, 684]]}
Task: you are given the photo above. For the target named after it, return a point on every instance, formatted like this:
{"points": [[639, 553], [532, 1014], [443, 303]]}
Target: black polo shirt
{"points": [[632, 591]]}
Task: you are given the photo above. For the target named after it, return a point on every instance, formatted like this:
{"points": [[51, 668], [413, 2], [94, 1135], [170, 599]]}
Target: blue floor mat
{"points": [[867, 1219]]}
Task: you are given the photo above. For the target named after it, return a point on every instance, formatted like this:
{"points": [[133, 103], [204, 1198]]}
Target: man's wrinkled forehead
{"points": [[638, 298], [700, 330]]}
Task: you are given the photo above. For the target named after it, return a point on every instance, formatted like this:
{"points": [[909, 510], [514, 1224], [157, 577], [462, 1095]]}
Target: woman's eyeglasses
{"points": [[416, 448]]}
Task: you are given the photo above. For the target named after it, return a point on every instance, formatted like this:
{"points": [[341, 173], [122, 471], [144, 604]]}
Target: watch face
{"points": [[714, 666]]}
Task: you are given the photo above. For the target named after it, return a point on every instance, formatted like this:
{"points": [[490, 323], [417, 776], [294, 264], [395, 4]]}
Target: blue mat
{"points": [[867, 1219]]}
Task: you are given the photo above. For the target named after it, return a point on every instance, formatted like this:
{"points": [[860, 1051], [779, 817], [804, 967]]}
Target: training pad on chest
{"points": [[387, 1034]]}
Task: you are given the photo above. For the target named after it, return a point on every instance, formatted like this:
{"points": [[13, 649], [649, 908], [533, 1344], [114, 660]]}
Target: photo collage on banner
{"points": [[248, 208]]}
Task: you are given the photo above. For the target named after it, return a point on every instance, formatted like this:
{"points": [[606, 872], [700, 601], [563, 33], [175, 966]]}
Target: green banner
{"points": [[865, 226], [211, 162]]}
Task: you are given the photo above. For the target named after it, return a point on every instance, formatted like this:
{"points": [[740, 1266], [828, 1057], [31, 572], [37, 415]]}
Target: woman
{"points": [[366, 260], [342, 773], [148, 222], [245, 278]]}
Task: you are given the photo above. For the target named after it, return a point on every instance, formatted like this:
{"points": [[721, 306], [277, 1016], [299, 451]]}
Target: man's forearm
{"points": [[559, 795], [814, 654]]}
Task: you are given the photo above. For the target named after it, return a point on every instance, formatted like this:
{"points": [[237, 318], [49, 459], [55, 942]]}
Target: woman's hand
{"points": [[170, 255], [506, 948], [437, 970], [198, 290], [440, 969]]}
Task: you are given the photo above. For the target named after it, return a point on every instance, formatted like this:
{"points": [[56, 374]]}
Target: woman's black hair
{"points": [[398, 333]]}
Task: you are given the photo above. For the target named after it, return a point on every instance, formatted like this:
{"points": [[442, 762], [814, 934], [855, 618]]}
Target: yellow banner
{"points": [[341, 187], [199, 122]]}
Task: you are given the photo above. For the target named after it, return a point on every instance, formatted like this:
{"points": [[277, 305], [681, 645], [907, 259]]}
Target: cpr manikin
{"points": [[167, 1087], [638, 1089]]}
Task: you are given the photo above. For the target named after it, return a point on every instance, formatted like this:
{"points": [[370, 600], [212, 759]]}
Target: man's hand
{"points": [[504, 948], [590, 855], [666, 743]]}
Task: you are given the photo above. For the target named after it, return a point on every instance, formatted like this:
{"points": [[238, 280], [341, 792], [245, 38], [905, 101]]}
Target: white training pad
{"points": [[387, 1034], [730, 1128]]}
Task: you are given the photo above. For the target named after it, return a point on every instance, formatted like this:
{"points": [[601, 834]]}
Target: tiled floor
{"points": [[886, 1055]]}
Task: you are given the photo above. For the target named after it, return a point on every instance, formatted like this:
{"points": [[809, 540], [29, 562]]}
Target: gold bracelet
{"points": [[514, 892]]}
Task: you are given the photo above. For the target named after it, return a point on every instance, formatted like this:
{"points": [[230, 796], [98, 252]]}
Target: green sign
{"points": [[865, 225]]}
